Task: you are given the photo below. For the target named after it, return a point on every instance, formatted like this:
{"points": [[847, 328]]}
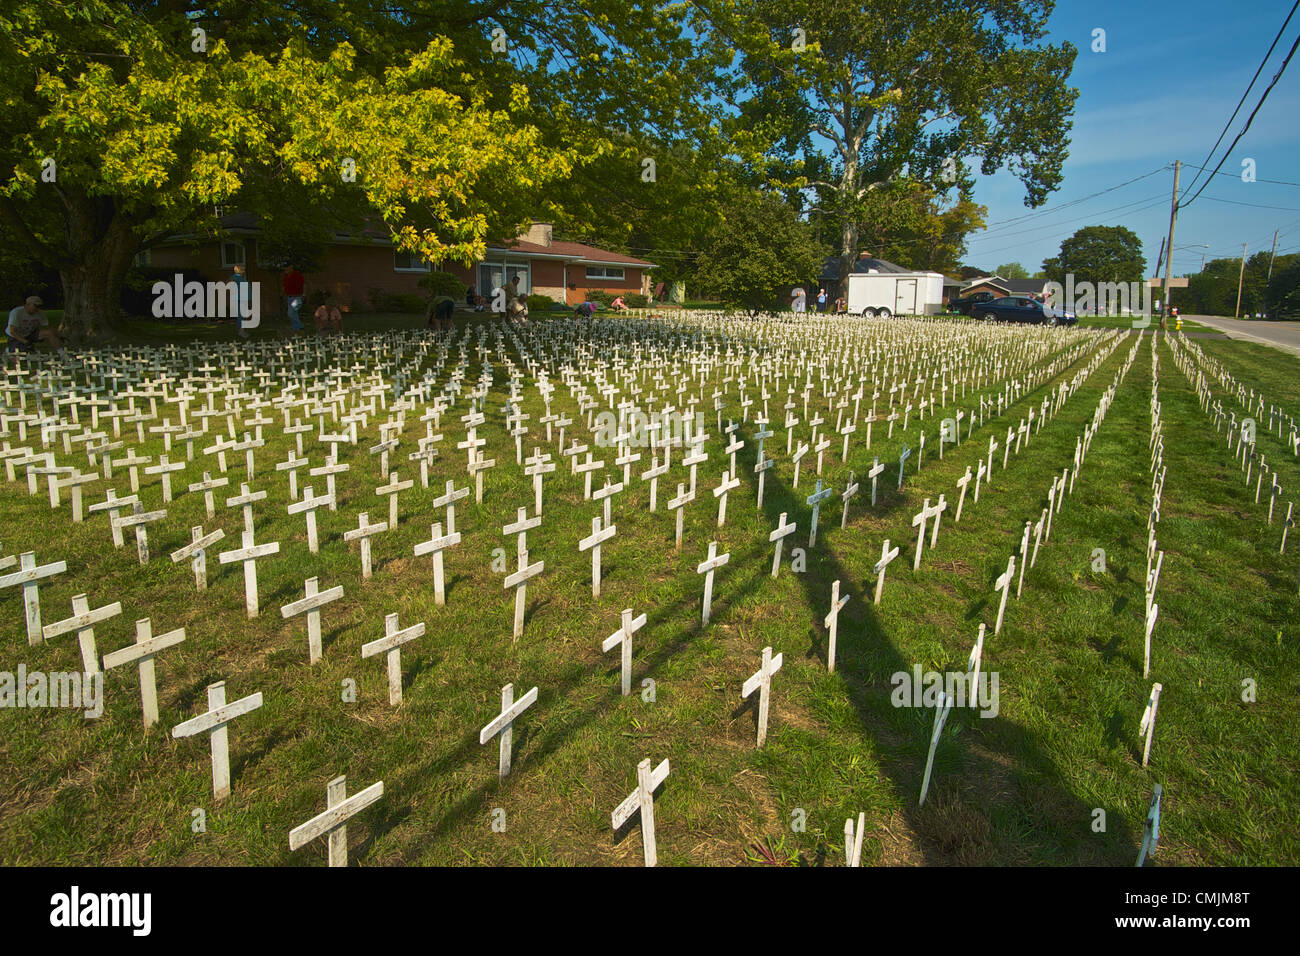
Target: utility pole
{"points": [[1173, 218], [1270, 258], [1236, 313]]}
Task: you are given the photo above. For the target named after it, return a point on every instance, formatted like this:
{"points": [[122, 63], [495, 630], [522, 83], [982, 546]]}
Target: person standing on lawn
{"points": [[294, 284]]}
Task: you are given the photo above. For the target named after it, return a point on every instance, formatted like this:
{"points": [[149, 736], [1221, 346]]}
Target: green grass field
{"points": [[1023, 787]]}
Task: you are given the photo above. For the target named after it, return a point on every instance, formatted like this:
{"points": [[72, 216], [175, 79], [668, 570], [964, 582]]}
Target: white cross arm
{"points": [[33, 574], [523, 574], [632, 805], [604, 534], [215, 718], [497, 723], [244, 554], [134, 652], [311, 603], [613, 640], [335, 816], [756, 680], [390, 641], [81, 621], [194, 546], [437, 544], [309, 504]]}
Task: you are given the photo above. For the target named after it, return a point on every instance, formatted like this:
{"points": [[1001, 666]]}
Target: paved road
{"points": [[1281, 335]]}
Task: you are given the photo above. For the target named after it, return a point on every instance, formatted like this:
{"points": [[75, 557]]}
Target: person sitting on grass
{"points": [[618, 305], [328, 318], [586, 310], [28, 325], [438, 315]]}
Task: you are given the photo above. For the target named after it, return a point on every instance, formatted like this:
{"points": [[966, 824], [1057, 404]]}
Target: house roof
{"points": [[1009, 286]]}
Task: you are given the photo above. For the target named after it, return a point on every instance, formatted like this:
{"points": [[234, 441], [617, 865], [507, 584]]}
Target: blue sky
{"points": [[1169, 79]]}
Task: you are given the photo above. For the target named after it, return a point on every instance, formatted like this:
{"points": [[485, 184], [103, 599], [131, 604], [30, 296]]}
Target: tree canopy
{"points": [[1098, 254]]}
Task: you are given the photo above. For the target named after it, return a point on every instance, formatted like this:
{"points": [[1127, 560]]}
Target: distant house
{"points": [[357, 267], [1002, 287], [830, 276]]}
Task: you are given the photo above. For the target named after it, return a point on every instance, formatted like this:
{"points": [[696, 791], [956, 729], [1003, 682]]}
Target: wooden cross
{"points": [[363, 532], [519, 581], [642, 799], [623, 638], [707, 567], [1024, 553], [435, 546], [539, 465], [391, 489], [448, 501], [1151, 830], [988, 473], [937, 514], [902, 464], [113, 504], [138, 520], [763, 466], [83, 621], [30, 576], [653, 474], [166, 469], [249, 555], [761, 681], [778, 536], [334, 820], [291, 465], [142, 653], [1152, 611], [1003, 584], [980, 472], [207, 486], [310, 605], [391, 644], [847, 495], [853, 840], [605, 495], [503, 724], [592, 543], [196, 551], [919, 521], [214, 722], [832, 623], [815, 499], [729, 483], [962, 483], [796, 459], [943, 707], [308, 506], [873, 474], [1148, 725], [678, 504], [886, 556]]}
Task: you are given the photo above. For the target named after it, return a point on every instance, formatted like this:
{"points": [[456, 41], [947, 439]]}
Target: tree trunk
{"points": [[92, 284]]}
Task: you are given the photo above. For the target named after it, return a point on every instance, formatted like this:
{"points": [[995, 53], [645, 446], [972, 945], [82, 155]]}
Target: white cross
{"points": [[448, 501], [1003, 584], [1152, 611], [1151, 830], [886, 556], [847, 495], [391, 644], [503, 723], [592, 543], [1148, 725], [962, 483], [334, 820], [853, 840], [364, 531], [832, 622], [678, 504], [83, 621], [435, 546], [214, 723], [391, 489], [29, 576], [308, 506], [782, 531], [642, 799], [816, 499], [138, 520], [519, 581], [707, 567], [653, 475], [142, 652], [207, 486], [196, 551], [942, 708], [729, 483], [310, 605], [249, 554], [623, 638], [761, 681], [873, 474], [763, 466]]}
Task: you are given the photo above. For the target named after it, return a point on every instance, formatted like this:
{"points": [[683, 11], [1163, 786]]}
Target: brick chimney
{"points": [[538, 233]]}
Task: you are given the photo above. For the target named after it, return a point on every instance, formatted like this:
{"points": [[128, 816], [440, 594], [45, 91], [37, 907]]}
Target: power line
{"points": [[1249, 87], [1256, 205], [1263, 96]]}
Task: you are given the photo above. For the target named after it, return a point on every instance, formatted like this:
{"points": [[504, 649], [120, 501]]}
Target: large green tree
{"points": [[757, 250], [847, 97], [1098, 254]]}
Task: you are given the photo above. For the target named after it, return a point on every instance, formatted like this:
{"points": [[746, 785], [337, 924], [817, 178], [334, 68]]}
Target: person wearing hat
{"points": [[28, 324]]}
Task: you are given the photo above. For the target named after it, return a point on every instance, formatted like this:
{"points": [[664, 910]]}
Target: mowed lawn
{"points": [[1023, 787]]}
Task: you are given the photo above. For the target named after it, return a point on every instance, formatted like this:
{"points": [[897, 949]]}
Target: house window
{"points": [[232, 254], [141, 259], [494, 275], [407, 262], [604, 272]]}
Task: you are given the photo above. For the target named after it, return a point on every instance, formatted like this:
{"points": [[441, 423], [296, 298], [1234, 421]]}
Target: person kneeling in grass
{"points": [[28, 324], [438, 315]]}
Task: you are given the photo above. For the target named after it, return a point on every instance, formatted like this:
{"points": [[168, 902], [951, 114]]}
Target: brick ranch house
{"points": [[355, 265]]}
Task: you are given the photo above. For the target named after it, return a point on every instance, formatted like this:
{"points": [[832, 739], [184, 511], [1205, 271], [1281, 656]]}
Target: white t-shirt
{"points": [[24, 325]]}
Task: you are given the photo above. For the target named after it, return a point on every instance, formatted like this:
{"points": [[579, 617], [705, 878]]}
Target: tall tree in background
{"points": [[852, 97], [1013, 270], [1098, 254]]}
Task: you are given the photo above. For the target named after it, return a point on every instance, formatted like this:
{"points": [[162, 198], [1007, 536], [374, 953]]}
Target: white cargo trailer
{"points": [[895, 293]]}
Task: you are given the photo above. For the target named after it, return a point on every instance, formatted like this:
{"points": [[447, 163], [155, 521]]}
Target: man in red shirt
{"points": [[294, 283]]}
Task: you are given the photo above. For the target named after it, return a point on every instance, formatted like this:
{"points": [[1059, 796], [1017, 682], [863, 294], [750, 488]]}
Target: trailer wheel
{"points": [[868, 313], [883, 313]]}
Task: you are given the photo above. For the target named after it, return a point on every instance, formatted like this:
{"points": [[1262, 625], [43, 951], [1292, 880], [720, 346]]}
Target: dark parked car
{"points": [[967, 302], [1014, 308]]}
